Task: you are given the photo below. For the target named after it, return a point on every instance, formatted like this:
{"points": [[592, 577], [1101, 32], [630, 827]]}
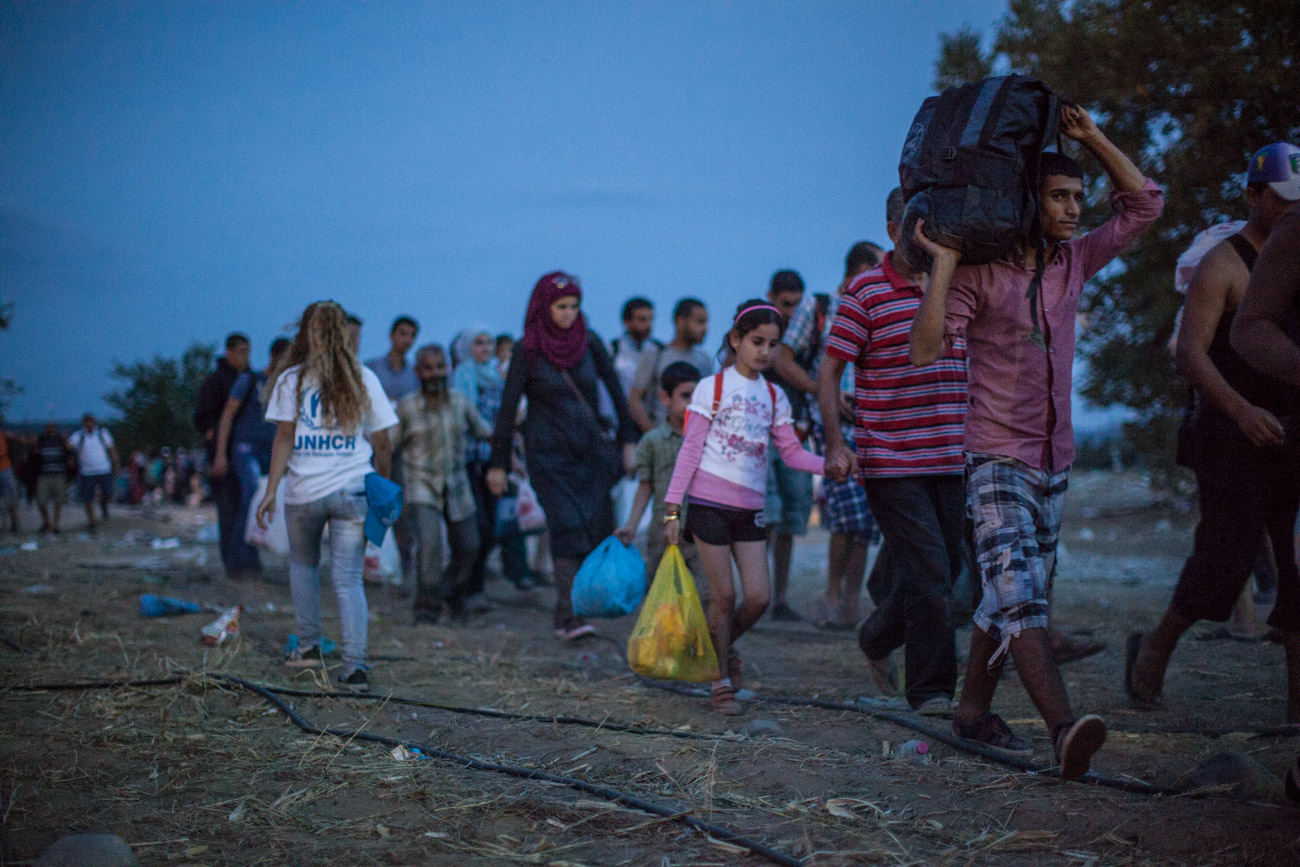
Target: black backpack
{"points": [[970, 167]]}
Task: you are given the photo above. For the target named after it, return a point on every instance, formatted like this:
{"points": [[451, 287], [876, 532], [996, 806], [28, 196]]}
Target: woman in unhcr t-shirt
{"points": [[332, 418]]}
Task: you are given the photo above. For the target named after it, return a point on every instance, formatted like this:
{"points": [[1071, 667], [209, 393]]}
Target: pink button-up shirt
{"points": [[1020, 395]]}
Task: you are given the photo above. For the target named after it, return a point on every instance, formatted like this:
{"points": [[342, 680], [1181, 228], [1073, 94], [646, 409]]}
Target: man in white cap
{"points": [[1247, 483]]}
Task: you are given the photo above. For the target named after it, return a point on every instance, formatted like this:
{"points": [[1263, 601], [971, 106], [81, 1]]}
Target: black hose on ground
{"points": [[718, 832], [909, 722], [613, 795]]}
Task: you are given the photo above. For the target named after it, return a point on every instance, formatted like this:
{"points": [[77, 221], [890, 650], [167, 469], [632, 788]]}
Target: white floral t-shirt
{"points": [[739, 437]]}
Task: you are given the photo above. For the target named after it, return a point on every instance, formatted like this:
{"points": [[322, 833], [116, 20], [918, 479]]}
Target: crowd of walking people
{"points": [[935, 402]]}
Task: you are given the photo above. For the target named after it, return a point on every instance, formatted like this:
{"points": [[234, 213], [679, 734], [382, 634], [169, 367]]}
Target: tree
{"points": [[1191, 88], [156, 405]]}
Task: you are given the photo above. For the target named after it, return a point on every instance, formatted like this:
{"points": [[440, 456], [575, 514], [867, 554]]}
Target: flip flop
{"points": [[1133, 646], [1223, 633]]}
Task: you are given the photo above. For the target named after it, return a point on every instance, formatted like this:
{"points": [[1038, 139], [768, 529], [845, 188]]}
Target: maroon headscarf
{"points": [[563, 347]]}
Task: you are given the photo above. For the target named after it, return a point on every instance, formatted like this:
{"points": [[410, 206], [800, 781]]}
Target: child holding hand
{"points": [[721, 470]]}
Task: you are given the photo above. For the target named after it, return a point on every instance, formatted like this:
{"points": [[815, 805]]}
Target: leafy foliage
{"points": [[155, 406], [1191, 88]]}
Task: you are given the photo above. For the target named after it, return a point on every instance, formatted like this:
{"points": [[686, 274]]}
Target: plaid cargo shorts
{"points": [[1016, 511]]}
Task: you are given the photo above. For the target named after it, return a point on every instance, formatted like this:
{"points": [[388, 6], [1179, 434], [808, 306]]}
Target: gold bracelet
{"points": [[671, 516]]}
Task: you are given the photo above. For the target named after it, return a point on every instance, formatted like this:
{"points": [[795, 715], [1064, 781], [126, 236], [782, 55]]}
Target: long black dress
{"points": [[558, 436]]}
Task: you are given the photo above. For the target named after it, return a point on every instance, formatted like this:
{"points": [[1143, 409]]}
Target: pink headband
{"points": [[755, 307]]}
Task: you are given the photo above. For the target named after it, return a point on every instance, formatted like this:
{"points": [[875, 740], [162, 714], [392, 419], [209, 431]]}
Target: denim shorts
{"points": [[718, 525], [1016, 511]]}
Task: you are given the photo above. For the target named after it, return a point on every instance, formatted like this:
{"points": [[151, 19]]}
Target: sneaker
{"points": [[1075, 742], [357, 681], [304, 658], [939, 706], [573, 629], [785, 613], [884, 673], [990, 730], [722, 699]]}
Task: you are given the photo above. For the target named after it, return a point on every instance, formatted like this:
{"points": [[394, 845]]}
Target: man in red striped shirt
{"points": [[909, 424]]}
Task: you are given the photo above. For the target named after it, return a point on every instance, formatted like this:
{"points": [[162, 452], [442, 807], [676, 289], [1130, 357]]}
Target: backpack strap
{"points": [[717, 392]]}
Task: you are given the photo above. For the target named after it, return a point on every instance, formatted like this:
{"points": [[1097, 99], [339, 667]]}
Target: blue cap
{"points": [[1277, 165], [385, 501]]}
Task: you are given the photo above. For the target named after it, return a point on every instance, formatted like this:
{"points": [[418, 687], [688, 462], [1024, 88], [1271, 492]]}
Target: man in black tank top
{"points": [[1247, 483]]}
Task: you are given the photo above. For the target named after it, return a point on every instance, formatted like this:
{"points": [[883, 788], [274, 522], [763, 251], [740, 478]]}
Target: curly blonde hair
{"points": [[323, 350]]}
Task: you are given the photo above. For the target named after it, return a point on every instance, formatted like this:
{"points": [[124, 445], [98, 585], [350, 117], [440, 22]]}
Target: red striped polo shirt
{"points": [[909, 419]]}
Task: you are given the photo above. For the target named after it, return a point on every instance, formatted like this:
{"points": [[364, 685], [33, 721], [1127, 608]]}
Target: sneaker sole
{"points": [[580, 632], [1081, 742], [303, 663]]}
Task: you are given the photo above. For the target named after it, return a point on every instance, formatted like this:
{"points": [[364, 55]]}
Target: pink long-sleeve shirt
{"points": [[723, 458]]}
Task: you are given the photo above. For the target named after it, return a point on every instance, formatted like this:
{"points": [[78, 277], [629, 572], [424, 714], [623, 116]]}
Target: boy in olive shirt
{"points": [[655, 455]]}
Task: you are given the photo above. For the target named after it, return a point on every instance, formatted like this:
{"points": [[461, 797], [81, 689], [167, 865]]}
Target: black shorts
{"points": [[715, 525]]}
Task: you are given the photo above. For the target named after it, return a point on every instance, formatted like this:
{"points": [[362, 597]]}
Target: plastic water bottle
{"points": [[914, 749]]}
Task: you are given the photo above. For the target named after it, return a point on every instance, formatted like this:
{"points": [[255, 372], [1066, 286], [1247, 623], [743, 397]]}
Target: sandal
{"points": [[734, 671], [1132, 647], [1075, 743], [824, 618], [722, 699], [884, 672]]}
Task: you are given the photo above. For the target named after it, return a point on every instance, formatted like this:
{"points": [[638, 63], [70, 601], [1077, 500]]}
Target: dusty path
{"points": [[205, 773]]}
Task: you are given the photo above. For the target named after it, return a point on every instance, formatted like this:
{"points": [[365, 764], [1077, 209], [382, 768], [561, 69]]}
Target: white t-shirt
{"points": [[735, 448], [326, 459], [92, 451]]}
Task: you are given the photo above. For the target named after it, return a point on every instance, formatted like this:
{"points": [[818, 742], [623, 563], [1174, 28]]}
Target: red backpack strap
{"points": [[771, 392], [717, 392]]}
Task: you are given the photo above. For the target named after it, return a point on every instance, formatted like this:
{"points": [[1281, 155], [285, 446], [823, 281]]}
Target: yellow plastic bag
{"points": [[671, 639]]}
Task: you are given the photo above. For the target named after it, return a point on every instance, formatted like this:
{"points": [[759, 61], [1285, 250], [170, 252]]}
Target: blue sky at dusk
{"points": [[170, 172]]}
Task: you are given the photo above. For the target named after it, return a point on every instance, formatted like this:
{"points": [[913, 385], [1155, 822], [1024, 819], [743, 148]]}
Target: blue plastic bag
{"points": [[610, 582], [162, 606]]}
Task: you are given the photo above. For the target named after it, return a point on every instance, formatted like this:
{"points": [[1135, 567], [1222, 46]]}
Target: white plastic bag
{"points": [[531, 517], [624, 493], [383, 562], [276, 537]]}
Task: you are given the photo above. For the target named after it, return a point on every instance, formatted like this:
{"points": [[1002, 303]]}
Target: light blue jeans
{"points": [[345, 512]]}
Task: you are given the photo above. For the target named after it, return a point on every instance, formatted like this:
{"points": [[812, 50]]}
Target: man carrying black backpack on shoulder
{"points": [[1018, 322]]}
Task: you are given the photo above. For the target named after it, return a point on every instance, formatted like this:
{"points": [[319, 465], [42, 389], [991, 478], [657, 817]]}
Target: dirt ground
{"points": [[204, 772]]}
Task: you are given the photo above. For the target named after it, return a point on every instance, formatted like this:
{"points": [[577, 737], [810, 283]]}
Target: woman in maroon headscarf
{"points": [[573, 460]]}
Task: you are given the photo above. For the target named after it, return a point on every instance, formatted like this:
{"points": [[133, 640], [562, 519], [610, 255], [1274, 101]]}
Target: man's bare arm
{"points": [[1078, 125], [1207, 303], [840, 461], [790, 371], [636, 409], [1270, 300], [926, 340]]}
